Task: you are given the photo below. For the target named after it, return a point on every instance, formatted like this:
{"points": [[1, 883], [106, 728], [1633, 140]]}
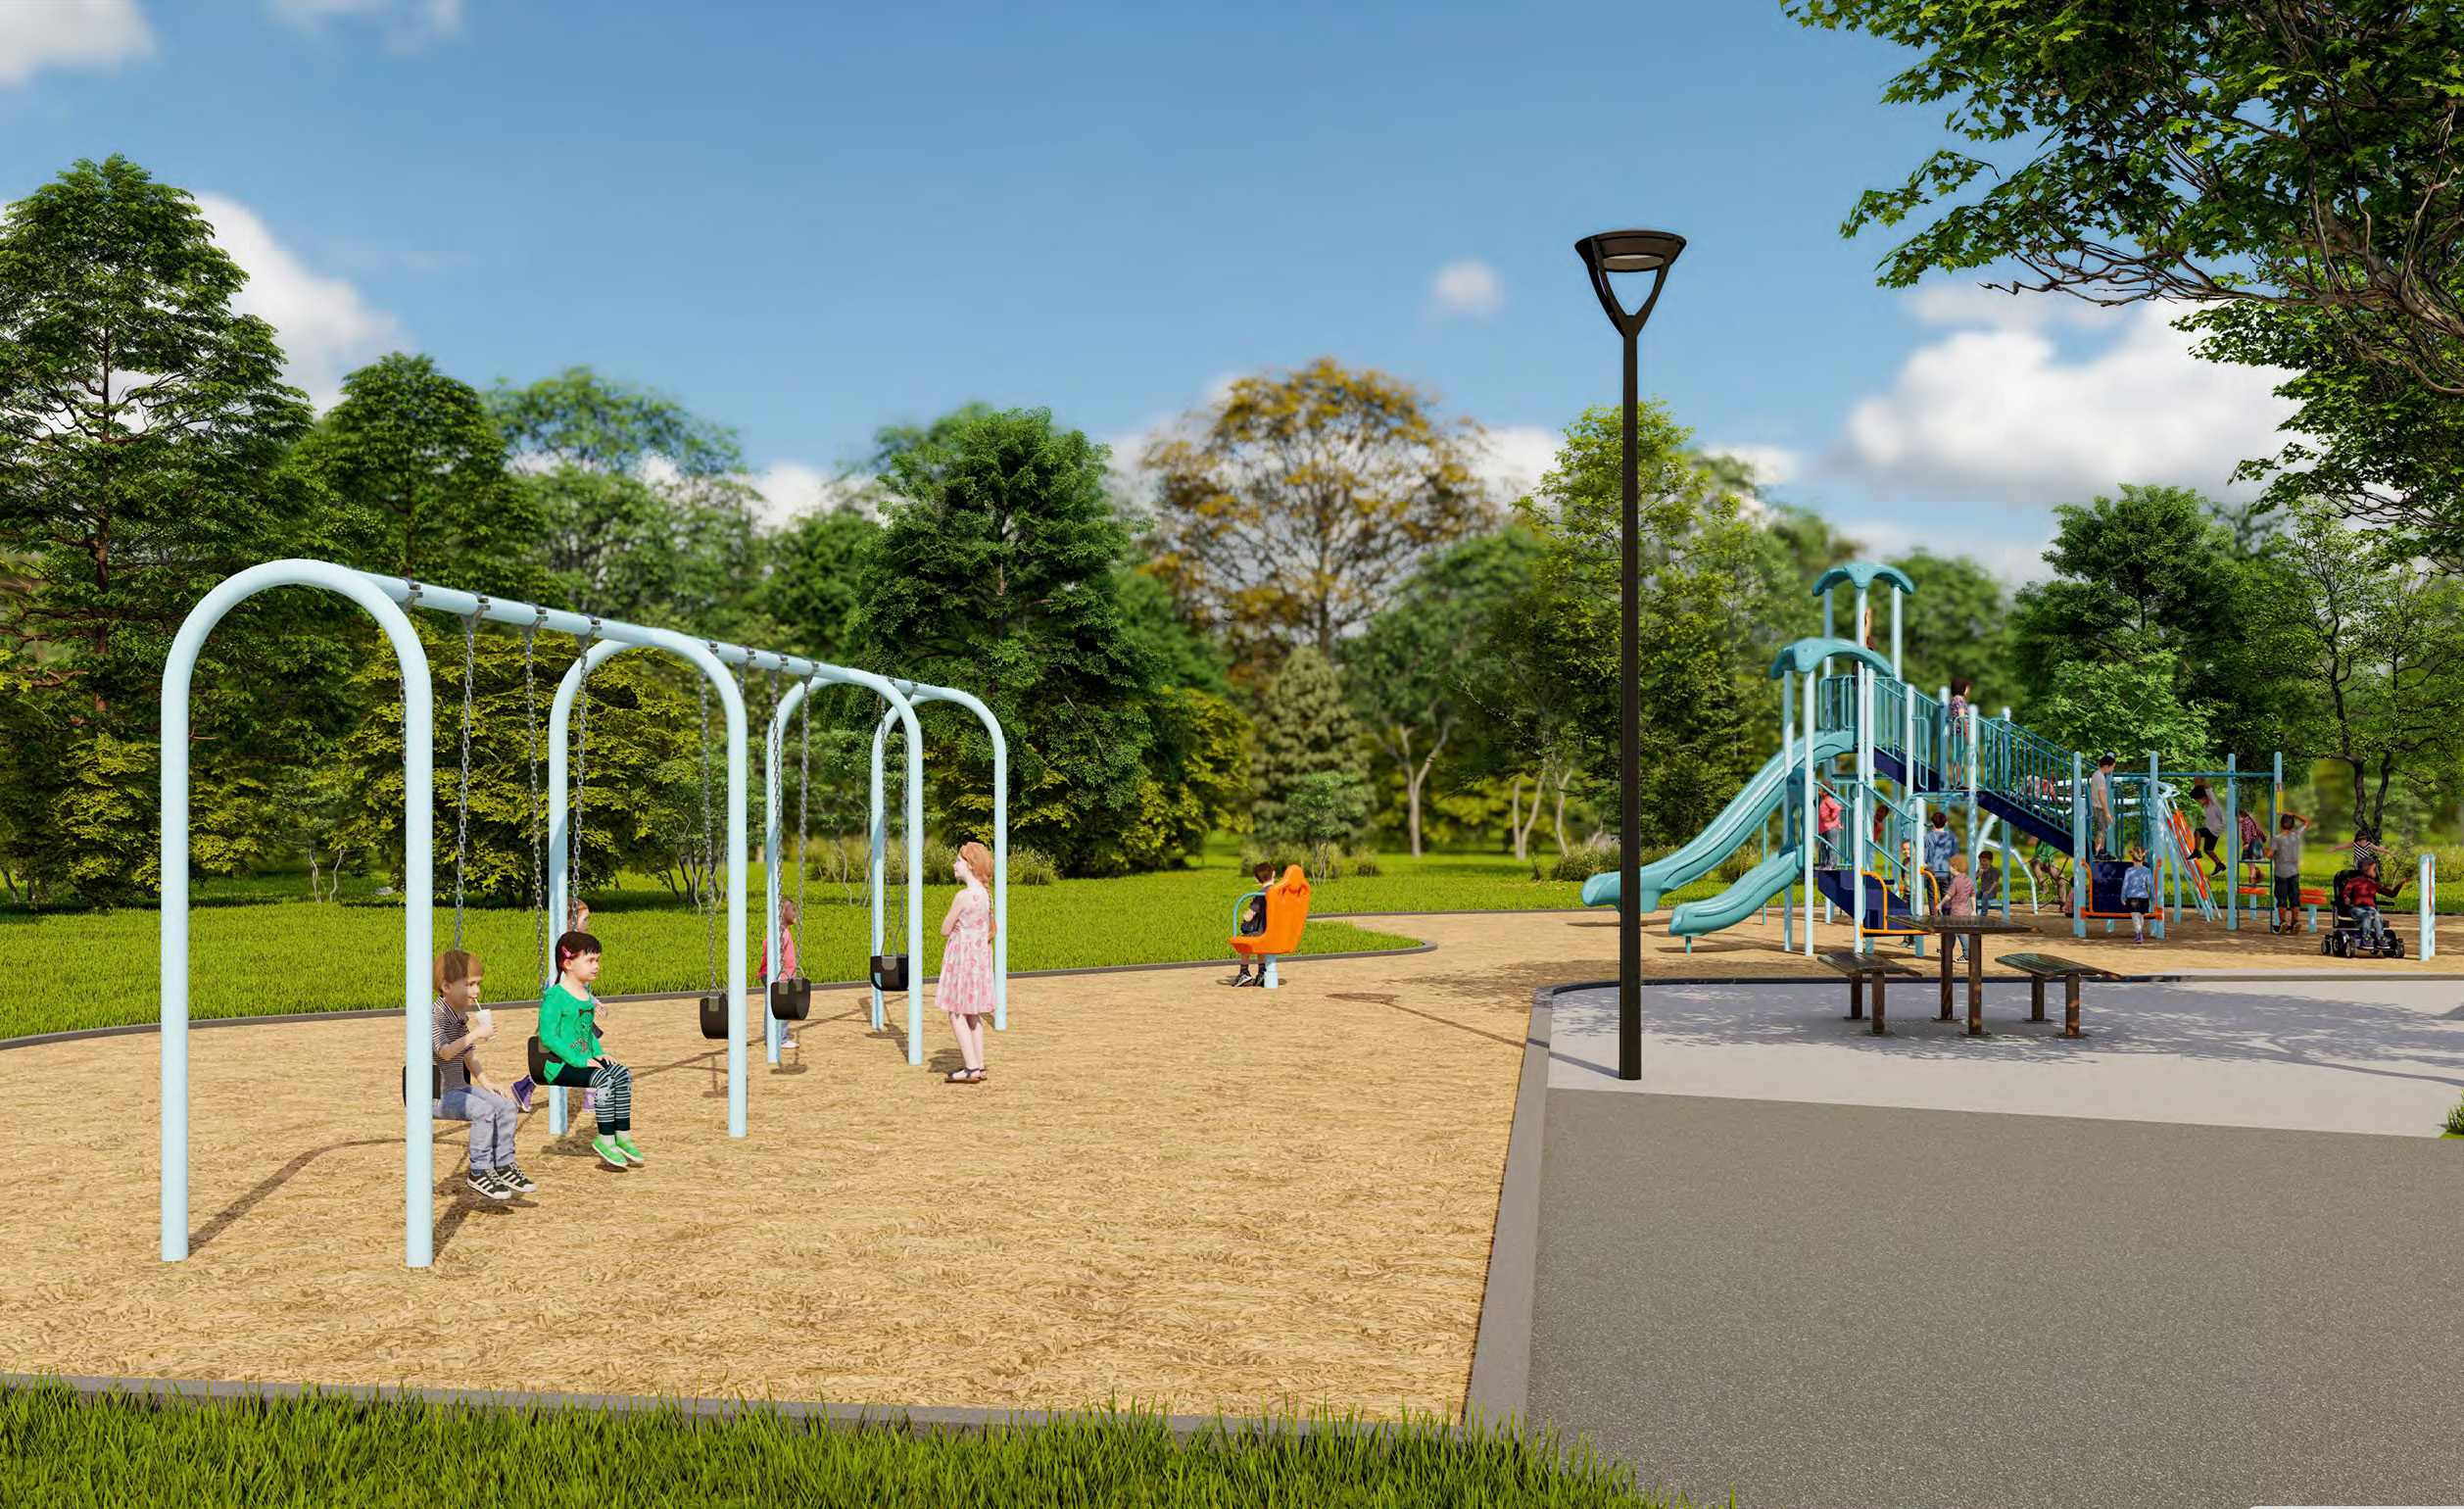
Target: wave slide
{"points": [[1738, 824]]}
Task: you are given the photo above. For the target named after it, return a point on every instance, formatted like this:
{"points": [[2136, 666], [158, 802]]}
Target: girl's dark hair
{"points": [[1263, 870], [1940, 819], [573, 946], [1959, 686], [2198, 791]]}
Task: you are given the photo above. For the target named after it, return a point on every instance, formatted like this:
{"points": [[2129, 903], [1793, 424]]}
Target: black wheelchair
{"points": [[2343, 939]]}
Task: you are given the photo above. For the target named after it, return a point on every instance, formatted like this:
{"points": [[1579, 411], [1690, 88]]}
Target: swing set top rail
{"points": [[516, 613]]}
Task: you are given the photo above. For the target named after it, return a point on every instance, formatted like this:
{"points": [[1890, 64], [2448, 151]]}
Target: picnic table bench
{"points": [[2041, 967], [1859, 968]]}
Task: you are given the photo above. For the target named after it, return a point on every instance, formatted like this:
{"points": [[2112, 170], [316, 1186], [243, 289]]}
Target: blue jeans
{"points": [[491, 1118], [2373, 926]]}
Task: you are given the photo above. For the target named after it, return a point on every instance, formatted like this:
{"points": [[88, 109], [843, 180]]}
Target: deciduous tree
{"points": [[1290, 512]]}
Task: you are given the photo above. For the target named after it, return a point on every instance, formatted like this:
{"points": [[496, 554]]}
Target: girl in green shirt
{"points": [[568, 1037]]}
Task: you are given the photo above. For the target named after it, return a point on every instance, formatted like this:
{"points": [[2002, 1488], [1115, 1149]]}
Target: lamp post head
{"points": [[1628, 250]]}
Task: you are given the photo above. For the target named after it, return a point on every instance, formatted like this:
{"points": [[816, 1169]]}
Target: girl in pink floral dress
{"points": [[966, 987]]}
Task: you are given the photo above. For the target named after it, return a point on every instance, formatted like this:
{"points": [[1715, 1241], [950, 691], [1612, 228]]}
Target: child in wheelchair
{"points": [[2360, 927]]}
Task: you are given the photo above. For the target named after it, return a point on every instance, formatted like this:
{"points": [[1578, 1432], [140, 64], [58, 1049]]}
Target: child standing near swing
{"points": [[568, 1035], [967, 990]]}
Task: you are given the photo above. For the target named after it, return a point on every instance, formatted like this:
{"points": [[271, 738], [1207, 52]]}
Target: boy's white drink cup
{"points": [[483, 1019]]}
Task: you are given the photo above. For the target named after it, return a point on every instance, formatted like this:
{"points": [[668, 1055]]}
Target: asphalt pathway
{"points": [[1838, 1307]]}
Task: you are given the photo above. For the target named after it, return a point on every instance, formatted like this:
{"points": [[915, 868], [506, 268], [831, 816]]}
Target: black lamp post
{"points": [[1630, 251]]}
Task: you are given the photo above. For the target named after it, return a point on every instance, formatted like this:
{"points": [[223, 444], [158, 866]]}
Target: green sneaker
{"points": [[608, 1150], [624, 1140]]}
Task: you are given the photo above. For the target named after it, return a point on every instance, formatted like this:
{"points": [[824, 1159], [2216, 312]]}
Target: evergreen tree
{"points": [[413, 472], [1305, 727], [995, 571], [142, 428]]}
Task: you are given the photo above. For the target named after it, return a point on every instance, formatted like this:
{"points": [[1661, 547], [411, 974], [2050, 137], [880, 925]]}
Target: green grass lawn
{"points": [[255, 951], [333, 1453]]}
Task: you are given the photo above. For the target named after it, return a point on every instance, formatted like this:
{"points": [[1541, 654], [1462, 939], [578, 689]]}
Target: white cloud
{"points": [[326, 329], [2009, 539], [2003, 412], [37, 34], [1515, 457], [405, 22], [1772, 465], [1469, 287], [790, 490]]}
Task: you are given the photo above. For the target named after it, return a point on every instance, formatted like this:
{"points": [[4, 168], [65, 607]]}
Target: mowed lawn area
{"points": [[256, 949]]}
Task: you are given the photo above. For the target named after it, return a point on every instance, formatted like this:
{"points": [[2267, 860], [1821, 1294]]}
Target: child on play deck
{"points": [[2139, 893], [465, 1092], [569, 1033], [1252, 922], [967, 989], [2100, 805]]}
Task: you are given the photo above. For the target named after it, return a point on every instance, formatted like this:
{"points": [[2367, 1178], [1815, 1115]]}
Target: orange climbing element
{"points": [[1286, 909]]}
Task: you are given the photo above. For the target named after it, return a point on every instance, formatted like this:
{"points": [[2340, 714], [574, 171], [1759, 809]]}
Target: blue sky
{"points": [[807, 220]]}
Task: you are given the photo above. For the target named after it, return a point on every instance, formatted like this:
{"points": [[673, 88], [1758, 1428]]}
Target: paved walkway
{"points": [[1878, 1286]]}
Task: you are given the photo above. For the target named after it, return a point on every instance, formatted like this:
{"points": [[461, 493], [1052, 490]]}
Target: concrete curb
{"points": [[1282, 961], [1500, 1387], [919, 1419]]}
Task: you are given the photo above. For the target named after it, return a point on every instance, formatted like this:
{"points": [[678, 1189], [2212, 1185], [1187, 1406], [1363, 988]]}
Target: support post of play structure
{"points": [[1976, 835], [1864, 799], [2276, 796], [1788, 766], [1810, 818], [1896, 673], [2429, 888], [2233, 844], [2081, 882], [2147, 840], [418, 1164]]}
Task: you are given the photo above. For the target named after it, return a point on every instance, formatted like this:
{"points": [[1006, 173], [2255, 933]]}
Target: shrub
{"points": [[1031, 867], [1360, 861], [2456, 1120]]}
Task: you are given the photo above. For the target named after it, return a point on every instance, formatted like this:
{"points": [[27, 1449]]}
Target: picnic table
{"points": [[1976, 929]]}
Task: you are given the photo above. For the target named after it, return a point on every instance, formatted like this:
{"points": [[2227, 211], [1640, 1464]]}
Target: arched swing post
{"points": [[923, 693], [418, 885], [815, 673], [875, 870], [610, 636]]}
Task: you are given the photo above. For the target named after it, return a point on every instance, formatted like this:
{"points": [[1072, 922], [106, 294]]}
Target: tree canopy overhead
{"points": [[2302, 154]]}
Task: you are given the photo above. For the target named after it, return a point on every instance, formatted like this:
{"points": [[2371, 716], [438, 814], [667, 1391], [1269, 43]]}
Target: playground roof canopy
{"points": [[1807, 653], [1861, 574]]}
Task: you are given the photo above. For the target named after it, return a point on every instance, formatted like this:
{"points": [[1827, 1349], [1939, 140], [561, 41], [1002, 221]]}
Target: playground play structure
{"points": [[1854, 730], [723, 1008]]}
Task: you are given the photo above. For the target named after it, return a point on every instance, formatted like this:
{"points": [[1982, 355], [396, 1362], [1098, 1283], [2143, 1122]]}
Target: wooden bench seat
{"points": [[1859, 968], [2041, 967]]}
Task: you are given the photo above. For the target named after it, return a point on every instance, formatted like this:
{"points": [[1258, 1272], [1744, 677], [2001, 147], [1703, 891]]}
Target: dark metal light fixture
{"points": [[1611, 252]]}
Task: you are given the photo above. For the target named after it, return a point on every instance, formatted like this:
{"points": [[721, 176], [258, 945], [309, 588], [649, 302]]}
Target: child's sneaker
{"points": [[482, 1182], [608, 1152], [624, 1140], [513, 1178]]}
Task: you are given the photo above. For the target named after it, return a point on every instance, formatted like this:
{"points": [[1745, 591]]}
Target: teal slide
{"points": [[1739, 902], [1738, 823]]}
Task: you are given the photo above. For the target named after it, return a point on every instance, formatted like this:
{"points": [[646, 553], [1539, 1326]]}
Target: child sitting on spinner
{"points": [[568, 1033], [1252, 923]]}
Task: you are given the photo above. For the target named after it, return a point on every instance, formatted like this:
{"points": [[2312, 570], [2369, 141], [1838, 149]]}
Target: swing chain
{"points": [[533, 829], [581, 781], [461, 814], [804, 792], [706, 902]]}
